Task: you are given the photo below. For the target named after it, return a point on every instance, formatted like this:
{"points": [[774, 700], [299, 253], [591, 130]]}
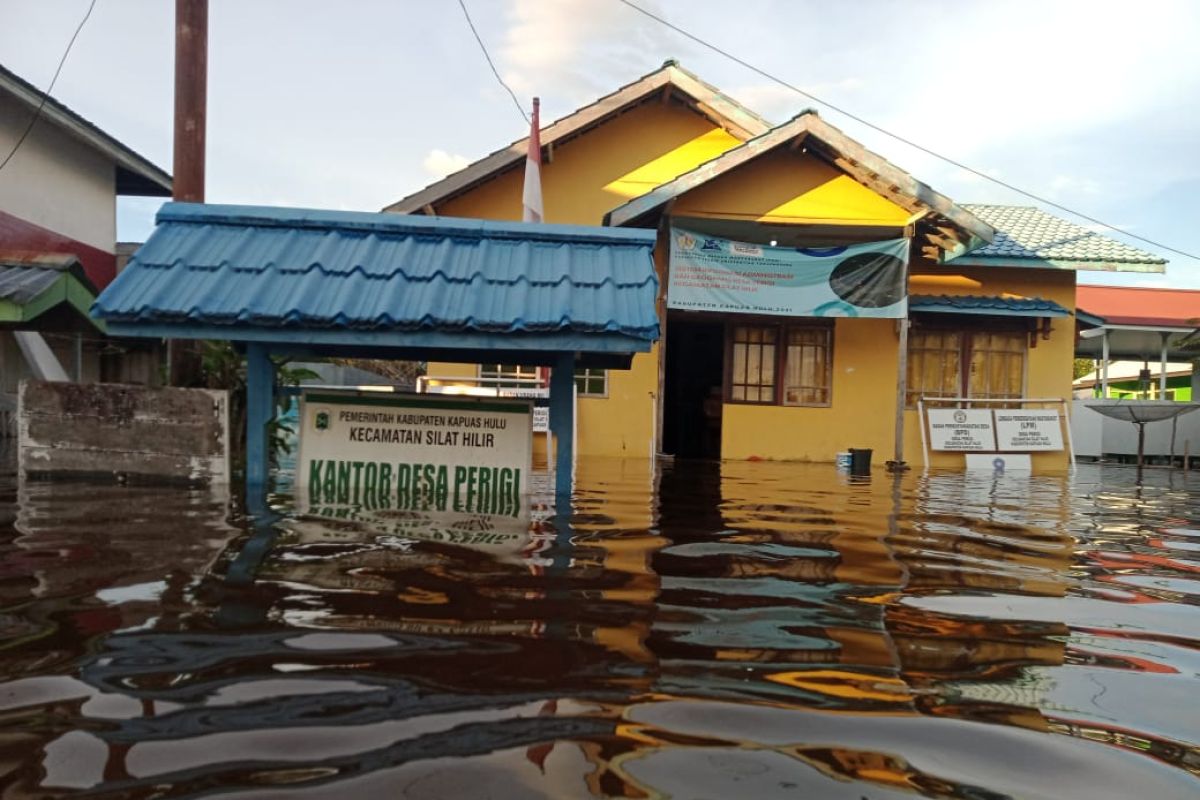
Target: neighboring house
{"points": [[992, 287], [58, 230], [1151, 326], [1138, 379]]}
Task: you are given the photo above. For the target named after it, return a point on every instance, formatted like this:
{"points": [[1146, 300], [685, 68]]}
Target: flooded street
{"points": [[742, 630]]}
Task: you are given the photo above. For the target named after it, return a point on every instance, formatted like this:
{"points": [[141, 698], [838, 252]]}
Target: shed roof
{"points": [[1028, 236], [281, 274], [670, 78], [832, 145], [1141, 306], [33, 283], [136, 174]]}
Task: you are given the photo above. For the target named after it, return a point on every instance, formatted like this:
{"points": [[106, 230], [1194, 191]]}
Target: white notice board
{"points": [[382, 448], [961, 429], [1026, 430]]}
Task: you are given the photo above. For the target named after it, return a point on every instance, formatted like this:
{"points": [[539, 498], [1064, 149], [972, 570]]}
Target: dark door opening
{"points": [[695, 385]]}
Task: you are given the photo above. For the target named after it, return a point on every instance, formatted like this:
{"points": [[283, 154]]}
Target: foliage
{"points": [[1082, 367], [225, 368]]}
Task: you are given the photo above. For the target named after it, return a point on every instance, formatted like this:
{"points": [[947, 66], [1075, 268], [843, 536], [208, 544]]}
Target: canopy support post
{"points": [[1104, 365], [1162, 372], [562, 424], [260, 408]]}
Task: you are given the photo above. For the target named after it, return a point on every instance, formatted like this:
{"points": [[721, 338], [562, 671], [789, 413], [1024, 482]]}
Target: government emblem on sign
{"points": [[321, 421], [960, 416]]}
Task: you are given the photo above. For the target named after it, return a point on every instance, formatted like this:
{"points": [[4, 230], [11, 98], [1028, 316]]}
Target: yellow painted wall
{"points": [[790, 187], [861, 414], [653, 143], [593, 173], [587, 177], [865, 362], [1048, 366]]}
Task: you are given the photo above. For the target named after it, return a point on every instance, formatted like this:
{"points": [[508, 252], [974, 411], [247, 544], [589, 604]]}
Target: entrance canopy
{"points": [[390, 285], [296, 282]]}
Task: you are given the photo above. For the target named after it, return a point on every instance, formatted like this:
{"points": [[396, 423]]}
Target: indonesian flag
{"points": [[531, 198]]}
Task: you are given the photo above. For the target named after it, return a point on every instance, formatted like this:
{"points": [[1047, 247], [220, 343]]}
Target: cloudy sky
{"points": [[1095, 105]]}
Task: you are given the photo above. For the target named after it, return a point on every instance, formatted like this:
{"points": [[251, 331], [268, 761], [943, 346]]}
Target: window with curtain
{"points": [[752, 377], [787, 365], [986, 364], [806, 367]]}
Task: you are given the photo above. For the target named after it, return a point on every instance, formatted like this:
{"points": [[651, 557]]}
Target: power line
{"points": [[495, 72], [896, 136], [46, 95]]}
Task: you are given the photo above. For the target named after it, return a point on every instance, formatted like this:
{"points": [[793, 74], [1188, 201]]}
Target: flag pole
{"points": [[531, 195]]}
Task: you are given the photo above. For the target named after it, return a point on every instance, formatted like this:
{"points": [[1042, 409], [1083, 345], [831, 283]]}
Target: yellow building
{"points": [[992, 288]]}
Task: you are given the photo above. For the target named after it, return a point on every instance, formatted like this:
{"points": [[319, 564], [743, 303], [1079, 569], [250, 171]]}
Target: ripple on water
{"points": [[697, 630]]}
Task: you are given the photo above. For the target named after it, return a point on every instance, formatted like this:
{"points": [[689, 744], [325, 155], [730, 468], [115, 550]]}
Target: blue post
{"points": [[260, 408], [562, 423]]}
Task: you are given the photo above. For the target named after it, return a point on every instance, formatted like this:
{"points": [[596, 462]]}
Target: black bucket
{"points": [[860, 461]]}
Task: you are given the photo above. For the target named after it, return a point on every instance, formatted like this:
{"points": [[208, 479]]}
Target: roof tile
{"points": [[1025, 232], [271, 267]]}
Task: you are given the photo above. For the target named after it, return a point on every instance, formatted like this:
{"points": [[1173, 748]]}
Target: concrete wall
{"points": [[1096, 435], [56, 182], [124, 432]]}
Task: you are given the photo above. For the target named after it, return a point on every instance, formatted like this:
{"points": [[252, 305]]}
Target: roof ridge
{"points": [[514, 152]]}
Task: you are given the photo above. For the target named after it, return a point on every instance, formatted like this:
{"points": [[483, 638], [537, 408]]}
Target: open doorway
{"points": [[694, 391]]}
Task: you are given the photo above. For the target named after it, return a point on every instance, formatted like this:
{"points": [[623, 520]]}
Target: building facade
{"points": [[58, 237], [991, 288]]}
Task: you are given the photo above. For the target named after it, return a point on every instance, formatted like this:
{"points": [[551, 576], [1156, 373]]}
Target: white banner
{"points": [[1028, 430], [961, 429], [382, 451], [707, 273]]}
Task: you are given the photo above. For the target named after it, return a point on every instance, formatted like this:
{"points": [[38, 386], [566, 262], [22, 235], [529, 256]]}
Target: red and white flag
{"points": [[531, 198]]}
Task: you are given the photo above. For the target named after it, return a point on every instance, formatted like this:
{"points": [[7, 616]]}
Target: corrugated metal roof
{"points": [[1141, 305], [297, 268], [1024, 232], [20, 284], [25, 276], [980, 304]]}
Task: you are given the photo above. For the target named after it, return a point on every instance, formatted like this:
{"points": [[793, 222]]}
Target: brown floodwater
{"points": [[742, 630]]}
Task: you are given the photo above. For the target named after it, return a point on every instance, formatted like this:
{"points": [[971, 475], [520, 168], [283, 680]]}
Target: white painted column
{"points": [[1162, 374], [1104, 365]]}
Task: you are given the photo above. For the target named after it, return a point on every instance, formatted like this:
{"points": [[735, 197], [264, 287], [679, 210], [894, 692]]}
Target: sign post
{"points": [[453, 453]]}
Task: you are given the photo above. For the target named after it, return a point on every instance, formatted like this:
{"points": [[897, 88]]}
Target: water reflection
{"points": [[690, 630]]}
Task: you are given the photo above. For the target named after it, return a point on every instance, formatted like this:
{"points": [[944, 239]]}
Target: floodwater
{"points": [[710, 631]]}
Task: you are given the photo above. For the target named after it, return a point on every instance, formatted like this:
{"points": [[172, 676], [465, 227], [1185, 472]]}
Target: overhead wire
{"points": [[46, 94], [488, 57], [947, 159]]}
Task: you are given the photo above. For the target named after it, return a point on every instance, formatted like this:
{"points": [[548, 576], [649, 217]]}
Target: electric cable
{"points": [[495, 72]]}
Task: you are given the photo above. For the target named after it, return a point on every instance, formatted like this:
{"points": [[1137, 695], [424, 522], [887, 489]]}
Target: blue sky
{"points": [[355, 104]]}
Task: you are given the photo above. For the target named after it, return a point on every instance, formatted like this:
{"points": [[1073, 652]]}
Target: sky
{"points": [[355, 104]]}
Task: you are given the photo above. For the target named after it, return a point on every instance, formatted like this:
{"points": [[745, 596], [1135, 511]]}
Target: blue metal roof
{"points": [[255, 268], [980, 304]]}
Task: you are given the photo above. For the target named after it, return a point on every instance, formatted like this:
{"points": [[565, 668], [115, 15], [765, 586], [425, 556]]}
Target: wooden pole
{"points": [[897, 464], [901, 392], [191, 98]]}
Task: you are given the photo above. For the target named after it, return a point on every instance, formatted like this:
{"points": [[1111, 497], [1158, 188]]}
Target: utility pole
{"points": [[191, 98], [191, 102]]}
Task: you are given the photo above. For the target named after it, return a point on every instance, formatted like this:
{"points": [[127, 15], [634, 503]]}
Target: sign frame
{"points": [[445, 408]]}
